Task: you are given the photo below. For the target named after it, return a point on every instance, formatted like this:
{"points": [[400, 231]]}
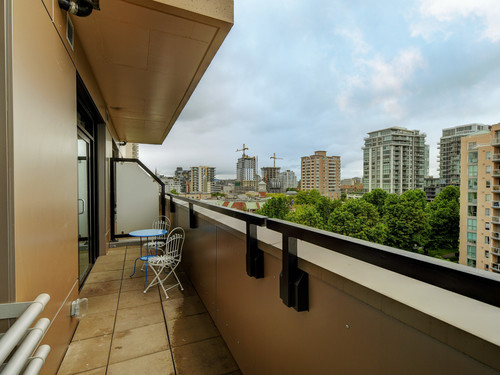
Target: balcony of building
{"points": [[495, 141]]}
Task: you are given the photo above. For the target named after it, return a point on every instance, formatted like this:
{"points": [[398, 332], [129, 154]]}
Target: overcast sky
{"points": [[295, 76]]}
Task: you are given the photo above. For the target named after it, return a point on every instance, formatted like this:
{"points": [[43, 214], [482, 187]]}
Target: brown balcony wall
{"points": [[362, 319]]}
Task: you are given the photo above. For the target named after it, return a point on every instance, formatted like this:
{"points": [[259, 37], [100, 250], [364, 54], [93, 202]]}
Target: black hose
{"points": [[80, 8]]}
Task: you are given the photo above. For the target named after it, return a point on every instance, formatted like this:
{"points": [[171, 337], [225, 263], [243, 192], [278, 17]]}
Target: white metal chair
{"points": [[162, 222], [169, 260]]}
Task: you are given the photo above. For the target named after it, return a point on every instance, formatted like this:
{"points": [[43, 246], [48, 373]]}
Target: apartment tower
{"points": [[271, 176], [288, 180], [246, 174], [480, 200], [202, 179], [449, 152], [322, 173], [395, 159]]}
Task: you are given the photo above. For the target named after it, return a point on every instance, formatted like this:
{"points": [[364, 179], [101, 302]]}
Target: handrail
{"points": [[477, 284], [17, 336]]}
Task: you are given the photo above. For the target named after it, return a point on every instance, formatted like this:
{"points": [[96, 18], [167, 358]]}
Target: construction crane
{"points": [[243, 149], [274, 157]]}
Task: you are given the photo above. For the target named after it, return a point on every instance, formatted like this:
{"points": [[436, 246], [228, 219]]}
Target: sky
{"points": [[296, 76]]}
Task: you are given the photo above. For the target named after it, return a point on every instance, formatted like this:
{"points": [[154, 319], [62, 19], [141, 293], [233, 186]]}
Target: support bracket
{"points": [[254, 256], [294, 283]]}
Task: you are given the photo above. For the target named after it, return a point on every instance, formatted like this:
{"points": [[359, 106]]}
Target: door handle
{"points": [[83, 206]]}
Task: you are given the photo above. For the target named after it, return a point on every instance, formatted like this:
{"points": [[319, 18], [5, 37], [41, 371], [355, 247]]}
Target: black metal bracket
{"points": [[294, 283], [172, 205], [254, 256], [192, 218]]}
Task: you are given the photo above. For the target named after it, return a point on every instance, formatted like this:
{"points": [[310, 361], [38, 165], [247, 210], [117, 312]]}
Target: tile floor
{"points": [[129, 332]]}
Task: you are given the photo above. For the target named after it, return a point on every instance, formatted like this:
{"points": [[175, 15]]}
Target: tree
{"points": [[306, 215], [407, 220], [307, 197], [325, 206], [376, 197], [360, 219], [276, 207], [444, 220], [173, 191], [218, 194]]}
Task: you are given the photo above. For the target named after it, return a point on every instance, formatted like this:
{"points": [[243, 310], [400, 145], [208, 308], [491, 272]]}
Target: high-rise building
{"points": [[202, 179], [449, 152], [322, 173], [184, 178], [480, 200], [395, 160], [271, 176], [246, 174], [288, 180]]}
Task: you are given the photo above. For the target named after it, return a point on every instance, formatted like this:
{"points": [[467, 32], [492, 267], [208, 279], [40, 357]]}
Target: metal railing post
{"points": [[294, 283], [254, 256]]}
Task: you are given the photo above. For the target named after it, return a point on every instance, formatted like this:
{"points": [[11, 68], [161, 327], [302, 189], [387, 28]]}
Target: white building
{"points": [[288, 180]]}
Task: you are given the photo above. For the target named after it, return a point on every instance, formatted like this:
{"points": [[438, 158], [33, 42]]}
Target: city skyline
{"points": [[322, 78]]}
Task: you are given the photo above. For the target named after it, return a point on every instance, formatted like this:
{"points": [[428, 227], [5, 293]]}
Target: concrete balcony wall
{"points": [[362, 319]]}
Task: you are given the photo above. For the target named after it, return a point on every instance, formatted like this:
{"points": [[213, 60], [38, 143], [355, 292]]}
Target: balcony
{"points": [[495, 219], [495, 235], [495, 204], [495, 141], [495, 251], [495, 173], [495, 157]]}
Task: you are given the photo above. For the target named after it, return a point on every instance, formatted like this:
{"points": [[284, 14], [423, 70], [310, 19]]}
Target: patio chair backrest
{"points": [[162, 222], [174, 243]]}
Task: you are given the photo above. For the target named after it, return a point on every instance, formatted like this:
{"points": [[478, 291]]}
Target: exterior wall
{"points": [[321, 172], [348, 329], [202, 179], [479, 215]]}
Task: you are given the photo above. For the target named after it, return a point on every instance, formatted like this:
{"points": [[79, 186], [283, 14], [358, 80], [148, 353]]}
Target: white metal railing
{"points": [[496, 172], [19, 342]]}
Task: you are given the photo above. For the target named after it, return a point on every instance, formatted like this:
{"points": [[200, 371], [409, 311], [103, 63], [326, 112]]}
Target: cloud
{"points": [[436, 17], [355, 36], [381, 83]]}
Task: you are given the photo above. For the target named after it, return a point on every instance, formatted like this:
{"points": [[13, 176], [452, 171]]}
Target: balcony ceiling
{"points": [[148, 57]]}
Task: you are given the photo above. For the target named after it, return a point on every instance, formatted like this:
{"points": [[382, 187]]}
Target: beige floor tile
{"points": [[132, 283], [94, 325], [110, 258], [101, 288], [157, 363], [180, 307], [138, 316], [86, 355], [138, 342], [111, 266], [99, 304], [208, 357], [190, 329], [97, 277], [177, 293], [97, 371], [138, 298]]}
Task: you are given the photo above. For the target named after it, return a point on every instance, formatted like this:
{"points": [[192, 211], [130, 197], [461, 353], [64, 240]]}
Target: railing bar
{"points": [[37, 360], [20, 357], [18, 329]]}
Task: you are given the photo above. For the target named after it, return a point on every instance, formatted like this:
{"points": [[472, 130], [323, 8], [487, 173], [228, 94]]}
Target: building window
{"points": [[471, 262], [487, 226], [471, 252], [487, 197], [471, 224], [471, 238], [472, 197], [472, 184], [488, 155], [486, 254], [488, 184], [472, 211], [486, 240], [486, 212], [488, 169], [472, 170]]}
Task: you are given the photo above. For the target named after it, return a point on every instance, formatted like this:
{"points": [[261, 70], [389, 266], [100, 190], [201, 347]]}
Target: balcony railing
{"points": [[343, 289], [496, 173], [495, 250], [495, 204], [495, 188], [495, 219], [495, 157]]}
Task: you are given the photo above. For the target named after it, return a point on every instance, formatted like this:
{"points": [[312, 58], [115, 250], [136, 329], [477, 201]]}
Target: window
{"points": [[488, 169], [487, 197], [488, 155], [487, 226], [471, 237], [472, 197], [472, 184], [486, 240], [472, 170], [486, 212], [472, 211], [488, 184], [471, 252], [471, 262], [471, 224], [472, 157], [486, 254]]}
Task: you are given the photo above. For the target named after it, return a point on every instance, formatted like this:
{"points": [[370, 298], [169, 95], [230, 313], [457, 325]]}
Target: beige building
{"points": [[321, 172], [72, 90], [202, 179], [480, 200]]}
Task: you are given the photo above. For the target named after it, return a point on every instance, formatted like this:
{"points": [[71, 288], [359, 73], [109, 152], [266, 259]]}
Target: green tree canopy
{"points": [[444, 220], [325, 206], [307, 197], [276, 207], [407, 220], [358, 218], [377, 197], [306, 215]]}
